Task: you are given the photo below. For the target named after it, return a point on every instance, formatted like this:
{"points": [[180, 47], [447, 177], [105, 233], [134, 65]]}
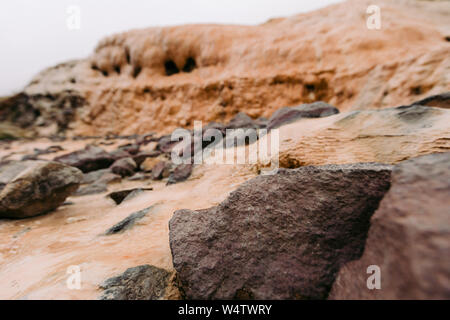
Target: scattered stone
{"points": [[281, 236], [165, 144], [140, 283], [409, 237], [94, 176], [38, 152], [149, 163], [91, 158], [124, 167], [132, 149], [146, 139], [75, 219], [128, 222], [181, 173], [120, 196], [288, 115], [161, 170], [90, 189], [142, 156], [36, 187], [140, 176], [119, 154]]}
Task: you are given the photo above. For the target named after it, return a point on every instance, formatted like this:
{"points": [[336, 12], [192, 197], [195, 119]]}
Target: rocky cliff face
{"points": [[157, 79]]}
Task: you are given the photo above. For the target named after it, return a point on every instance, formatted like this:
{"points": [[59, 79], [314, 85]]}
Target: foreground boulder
{"points": [[409, 237], [140, 283], [36, 187], [282, 236], [288, 115], [91, 158]]}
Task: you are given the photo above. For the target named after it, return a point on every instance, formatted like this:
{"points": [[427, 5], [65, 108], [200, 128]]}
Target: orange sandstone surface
{"points": [[157, 79]]}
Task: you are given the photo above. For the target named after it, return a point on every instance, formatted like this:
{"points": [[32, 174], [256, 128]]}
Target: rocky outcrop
{"points": [[134, 81], [140, 283], [288, 115], [35, 187], [387, 136], [409, 237], [281, 236]]}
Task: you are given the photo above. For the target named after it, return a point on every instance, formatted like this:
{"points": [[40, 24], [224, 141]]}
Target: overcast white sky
{"points": [[34, 33]]}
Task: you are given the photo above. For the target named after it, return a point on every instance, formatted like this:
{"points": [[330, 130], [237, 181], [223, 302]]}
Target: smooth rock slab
{"points": [[409, 237], [282, 236], [36, 187]]}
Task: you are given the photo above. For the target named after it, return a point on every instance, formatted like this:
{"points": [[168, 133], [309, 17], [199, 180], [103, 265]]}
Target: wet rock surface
{"points": [[281, 236], [409, 237]]}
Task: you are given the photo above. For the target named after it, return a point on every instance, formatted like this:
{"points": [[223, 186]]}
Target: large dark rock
{"points": [[281, 236], [139, 283], [35, 187], [89, 159], [409, 237], [288, 115]]}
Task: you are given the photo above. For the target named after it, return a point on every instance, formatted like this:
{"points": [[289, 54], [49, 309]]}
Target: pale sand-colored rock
{"points": [[327, 55], [33, 264]]}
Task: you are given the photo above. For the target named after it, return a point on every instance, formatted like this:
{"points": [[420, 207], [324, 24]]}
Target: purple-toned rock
{"points": [[288, 115], [161, 170], [124, 167], [409, 238], [181, 173], [89, 159], [165, 144], [281, 236]]}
